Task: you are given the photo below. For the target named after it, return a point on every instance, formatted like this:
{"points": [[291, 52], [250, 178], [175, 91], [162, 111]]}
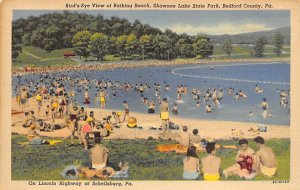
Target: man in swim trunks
{"points": [[23, 98], [265, 160], [164, 114], [211, 163], [99, 154], [184, 137]]}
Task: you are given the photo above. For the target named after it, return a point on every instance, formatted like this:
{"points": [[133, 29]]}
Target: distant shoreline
{"points": [[139, 64]]}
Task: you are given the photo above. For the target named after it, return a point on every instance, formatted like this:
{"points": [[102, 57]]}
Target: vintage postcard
{"points": [[149, 94]]}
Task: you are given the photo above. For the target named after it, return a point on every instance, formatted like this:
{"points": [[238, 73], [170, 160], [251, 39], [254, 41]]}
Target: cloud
{"points": [[226, 28]]}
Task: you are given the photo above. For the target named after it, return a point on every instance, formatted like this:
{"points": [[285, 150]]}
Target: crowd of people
{"points": [[57, 96], [247, 164]]}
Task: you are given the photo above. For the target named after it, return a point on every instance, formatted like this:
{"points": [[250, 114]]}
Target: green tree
{"points": [[144, 44], [131, 44], [185, 46], [80, 42], [278, 44], [16, 42], [120, 45], [203, 46], [227, 47], [99, 44], [259, 47]]}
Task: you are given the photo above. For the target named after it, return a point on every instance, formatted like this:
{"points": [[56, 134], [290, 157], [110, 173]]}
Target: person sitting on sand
{"points": [[265, 159], [244, 162], [191, 166], [34, 137], [195, 139], [99, 154], [184, 137], [116, 117], [211, 163]]}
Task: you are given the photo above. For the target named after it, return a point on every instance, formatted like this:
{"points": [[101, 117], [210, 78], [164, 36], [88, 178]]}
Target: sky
{"points": [[192, 22]]}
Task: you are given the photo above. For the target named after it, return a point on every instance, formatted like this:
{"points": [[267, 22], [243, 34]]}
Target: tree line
{"points": [[98, 36]]}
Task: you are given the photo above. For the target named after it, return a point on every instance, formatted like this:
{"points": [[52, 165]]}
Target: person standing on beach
{"points": [[126, 110], [265, 159], [164, 114], [23, 98]]}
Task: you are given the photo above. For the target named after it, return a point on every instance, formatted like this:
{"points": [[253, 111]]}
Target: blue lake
{"points": [[270, 77]]}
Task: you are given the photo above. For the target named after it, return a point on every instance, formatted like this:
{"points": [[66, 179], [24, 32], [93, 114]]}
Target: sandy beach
{"points": [[208, 129], [139, 64]]}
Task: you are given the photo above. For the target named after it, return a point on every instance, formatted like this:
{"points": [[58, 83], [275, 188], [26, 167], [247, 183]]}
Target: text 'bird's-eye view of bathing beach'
{"points": [[150, 95]]}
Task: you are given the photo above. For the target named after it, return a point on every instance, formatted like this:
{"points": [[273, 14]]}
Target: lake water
{"points": [[271, 77]]}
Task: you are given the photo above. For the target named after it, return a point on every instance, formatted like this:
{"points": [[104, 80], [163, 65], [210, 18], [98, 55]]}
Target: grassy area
{"points": [[33, 56], [39, 57], [59, 53], [242, 49], [46, 162], [112, 58]]}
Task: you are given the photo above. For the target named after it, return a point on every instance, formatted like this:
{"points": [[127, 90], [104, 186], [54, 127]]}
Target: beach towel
{"points": [[167, 147], [51, 142], [234, 147], [16, 112]]}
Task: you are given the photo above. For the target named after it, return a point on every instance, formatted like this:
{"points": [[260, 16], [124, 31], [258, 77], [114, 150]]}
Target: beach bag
{"points": [[164, 115], [87, 128]]}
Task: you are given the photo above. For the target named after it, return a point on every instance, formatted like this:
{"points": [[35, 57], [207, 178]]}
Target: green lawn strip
{"points": [[45, 162], [44, 54]]}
